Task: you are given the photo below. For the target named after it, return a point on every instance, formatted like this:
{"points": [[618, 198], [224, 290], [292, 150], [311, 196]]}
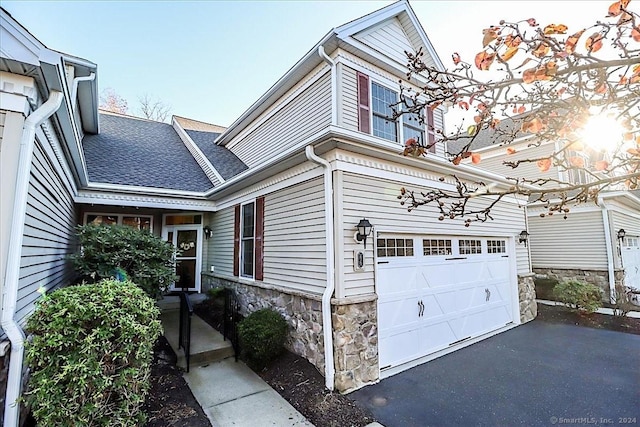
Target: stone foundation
{"points": [[600, 278], [303, 313], [527, 298], [355, 345]]}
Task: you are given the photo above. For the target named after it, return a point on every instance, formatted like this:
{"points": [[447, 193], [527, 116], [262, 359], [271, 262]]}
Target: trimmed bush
{"points": [[579, 295], [109, 250], [91, 354], [262, 337], [544, 287]]}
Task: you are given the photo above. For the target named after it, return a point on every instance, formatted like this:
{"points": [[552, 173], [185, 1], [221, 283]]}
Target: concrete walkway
{"points": [[229, 392]]}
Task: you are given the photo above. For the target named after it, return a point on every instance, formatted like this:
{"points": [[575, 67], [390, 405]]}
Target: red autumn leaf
{"points": [[463, 104], [601, 165], [411, 142], [456, 58], [529, 76], [532, 22], [484, 59], [615, 8], [534, 125], [572, 41], [489, 35], [511, 150], [475, 158], [456, 160], [466, 154], [511, 41], [577, 161], [477, 119], [594, 42], [544, 164], [635, 33], [555, 29], [494, 123], [522, 109], [601, 88], [541, 50]]}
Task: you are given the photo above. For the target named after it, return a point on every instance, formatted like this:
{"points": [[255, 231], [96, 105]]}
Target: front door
{"points": [[187, 239]]}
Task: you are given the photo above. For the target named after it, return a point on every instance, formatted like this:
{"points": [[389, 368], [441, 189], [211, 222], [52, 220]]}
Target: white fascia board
{"points": [[285, 81], [135, 189], [425, 38], [204, 163], [17, 43], [435, 163], [102, 198], [626, 194]]}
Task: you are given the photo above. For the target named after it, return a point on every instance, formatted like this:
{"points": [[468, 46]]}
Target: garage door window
{"points": [[468, 247], [496, 246], [395, 247], [436, 247]]}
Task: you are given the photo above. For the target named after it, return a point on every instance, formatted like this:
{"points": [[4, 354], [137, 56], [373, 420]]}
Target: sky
{"points": [[210, 60]]}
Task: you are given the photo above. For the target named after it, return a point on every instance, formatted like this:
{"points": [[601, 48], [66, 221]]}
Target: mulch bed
{"points": [[561, 314], [300, 383], [170, 401]]}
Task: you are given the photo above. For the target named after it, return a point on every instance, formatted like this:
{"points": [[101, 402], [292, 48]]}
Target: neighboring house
{"points": [[585, 245], [268, 206]]}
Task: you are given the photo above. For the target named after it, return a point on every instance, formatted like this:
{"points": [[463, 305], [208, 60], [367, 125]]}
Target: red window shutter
{"points": [[259, 249], [364, 117], [236, 242], [431, 130]]}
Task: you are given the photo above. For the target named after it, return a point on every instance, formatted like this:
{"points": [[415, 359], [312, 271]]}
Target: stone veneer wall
{"points": [[527, 298], [355, 344], [303, 313], [600, 278], [355, 331]]}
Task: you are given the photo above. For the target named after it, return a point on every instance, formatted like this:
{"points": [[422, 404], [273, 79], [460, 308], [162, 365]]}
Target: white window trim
{"points": [[120, 216], [242, 239], [399, 122]]}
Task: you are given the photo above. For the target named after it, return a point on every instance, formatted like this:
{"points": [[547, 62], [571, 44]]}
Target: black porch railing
{"points": [[231, 319], [184, 336]]}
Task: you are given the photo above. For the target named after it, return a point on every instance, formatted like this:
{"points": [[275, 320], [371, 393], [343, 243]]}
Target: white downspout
{"points": [[10, 293], [334, 85], [608, 245], [327, 327], [74, 89]]}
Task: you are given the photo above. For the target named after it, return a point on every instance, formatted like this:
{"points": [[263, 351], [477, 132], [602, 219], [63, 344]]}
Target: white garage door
{"points": [[631, 261], [437, 292]]}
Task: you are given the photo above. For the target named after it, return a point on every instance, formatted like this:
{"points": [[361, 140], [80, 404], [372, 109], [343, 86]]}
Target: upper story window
{"points": [[381, 100], [375, 112]]}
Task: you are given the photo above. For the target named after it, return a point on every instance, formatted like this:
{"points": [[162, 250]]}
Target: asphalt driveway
{"points": [[536, 374]]}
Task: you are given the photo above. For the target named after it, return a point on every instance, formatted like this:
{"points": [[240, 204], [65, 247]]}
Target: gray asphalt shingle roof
{"points": [[488, 137], [132, 151], [226, 163]]}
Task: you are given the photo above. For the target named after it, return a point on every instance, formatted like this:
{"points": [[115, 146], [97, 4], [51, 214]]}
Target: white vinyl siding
{"points": [[525, 170], [376, 199], [48, 234], [389, 39], [630, 224], [305, 115], [349, 106], [3, 116], [220, 246], [577, 242], [294, 237]]}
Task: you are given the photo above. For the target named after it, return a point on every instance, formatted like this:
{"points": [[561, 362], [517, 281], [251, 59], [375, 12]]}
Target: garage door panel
{"points": [[441, 301]]}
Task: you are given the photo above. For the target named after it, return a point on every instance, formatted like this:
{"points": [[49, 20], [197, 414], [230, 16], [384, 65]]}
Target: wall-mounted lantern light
{"points": [[621, 234], [364, 230], [524, 237], [208, 232]]}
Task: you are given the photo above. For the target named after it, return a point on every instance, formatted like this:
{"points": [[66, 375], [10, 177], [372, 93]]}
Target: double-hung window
{"points": [[375, 115], [247, 240], [381, 100]]}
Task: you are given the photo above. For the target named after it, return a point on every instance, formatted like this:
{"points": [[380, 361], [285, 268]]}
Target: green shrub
{"points": [[107, 250], [262, 336], [579, 295], [91, 354], [216, 293], [544, 287]]}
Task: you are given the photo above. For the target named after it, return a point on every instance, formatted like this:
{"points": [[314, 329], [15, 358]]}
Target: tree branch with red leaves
{"points": [[539, 85]]}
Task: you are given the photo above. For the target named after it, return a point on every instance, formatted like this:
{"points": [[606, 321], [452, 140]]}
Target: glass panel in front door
{"points": [[187, 245]]}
